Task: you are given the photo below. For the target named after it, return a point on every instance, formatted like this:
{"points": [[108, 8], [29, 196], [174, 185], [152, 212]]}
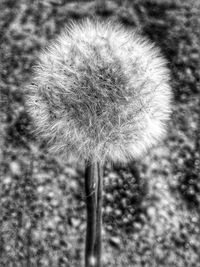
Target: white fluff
{"points": [[100, 92]]}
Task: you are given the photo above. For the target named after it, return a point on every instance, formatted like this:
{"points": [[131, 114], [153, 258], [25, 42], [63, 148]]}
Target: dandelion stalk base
{"points": [[93, 190]]}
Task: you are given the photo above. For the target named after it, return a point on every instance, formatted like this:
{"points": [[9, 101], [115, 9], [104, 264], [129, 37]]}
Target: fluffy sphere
{"points": [[100, 92]]}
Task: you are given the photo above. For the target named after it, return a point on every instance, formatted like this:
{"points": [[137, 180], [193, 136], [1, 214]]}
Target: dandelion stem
{"points": [[98, 241], [93, 190], [90, 190]]}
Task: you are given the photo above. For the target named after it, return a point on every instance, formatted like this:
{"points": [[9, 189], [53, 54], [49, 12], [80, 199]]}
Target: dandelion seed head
{"points": [[100, 92]]}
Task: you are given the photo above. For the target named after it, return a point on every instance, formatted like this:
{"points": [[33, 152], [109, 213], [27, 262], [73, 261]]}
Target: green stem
{"points": [[90, 190], [98, 241], [93, 190]]}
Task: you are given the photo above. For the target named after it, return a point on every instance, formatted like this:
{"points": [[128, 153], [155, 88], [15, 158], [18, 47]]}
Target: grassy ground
{"points": [[153, 221]]}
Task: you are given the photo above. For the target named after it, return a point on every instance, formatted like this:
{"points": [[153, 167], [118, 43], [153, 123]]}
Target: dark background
{"points": [[150, 221]]}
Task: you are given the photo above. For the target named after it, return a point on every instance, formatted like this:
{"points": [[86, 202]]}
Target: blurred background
{"points": [[151, 208]]}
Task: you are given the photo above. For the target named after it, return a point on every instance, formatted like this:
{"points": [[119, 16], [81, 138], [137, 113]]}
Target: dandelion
{"points": [[100, 93]]}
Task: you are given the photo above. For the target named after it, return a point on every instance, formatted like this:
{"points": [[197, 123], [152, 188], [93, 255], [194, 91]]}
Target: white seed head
{"points": [[100, 92]]}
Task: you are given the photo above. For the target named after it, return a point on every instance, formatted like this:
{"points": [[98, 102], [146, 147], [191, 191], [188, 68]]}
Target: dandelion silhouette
{"points": [[99, 93]]}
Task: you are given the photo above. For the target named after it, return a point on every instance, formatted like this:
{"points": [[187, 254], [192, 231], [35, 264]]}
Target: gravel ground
{"points": [[151, 208]]}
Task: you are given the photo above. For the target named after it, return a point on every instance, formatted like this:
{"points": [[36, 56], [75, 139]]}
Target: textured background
{"points": [[150, 221]]}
